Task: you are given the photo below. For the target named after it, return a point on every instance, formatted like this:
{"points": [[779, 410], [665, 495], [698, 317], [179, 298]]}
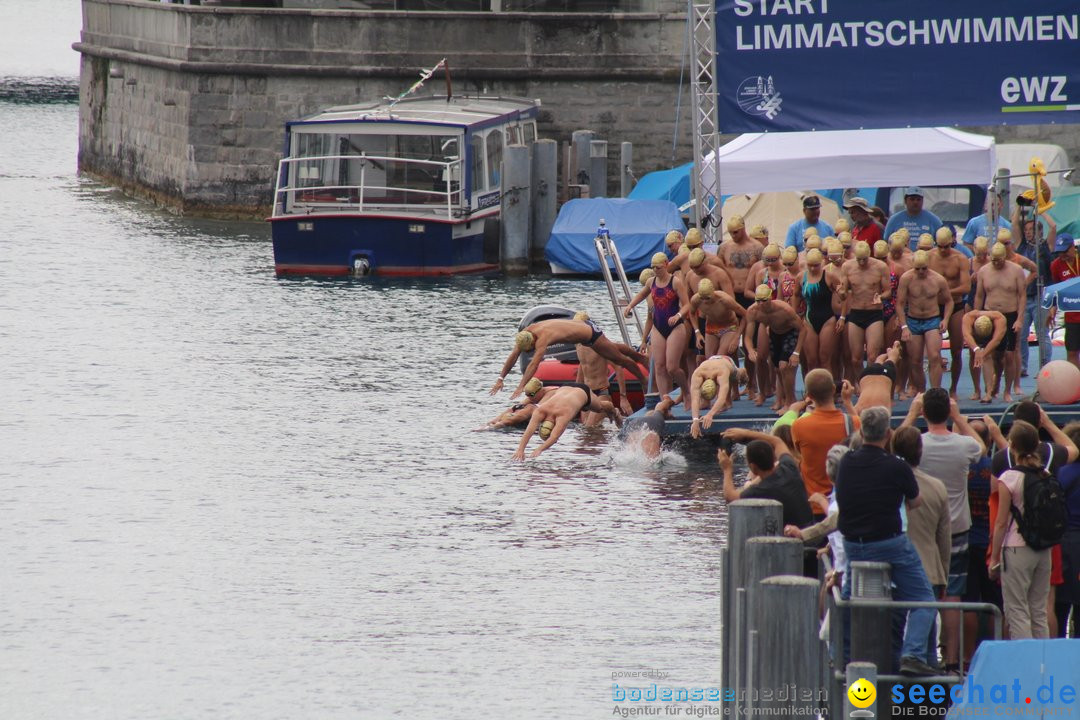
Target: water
{"points": [[228, 495]]}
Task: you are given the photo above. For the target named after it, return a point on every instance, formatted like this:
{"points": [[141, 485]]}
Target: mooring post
{"points": [[746, 519], [598, 168], [626, 161], [765, 557], [545, 159], [857, 671], [788, 647], [580, 142], [516, 215], [872, 628]]}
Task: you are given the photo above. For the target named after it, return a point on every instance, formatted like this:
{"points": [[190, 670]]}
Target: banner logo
{"points": [[758, 96]]}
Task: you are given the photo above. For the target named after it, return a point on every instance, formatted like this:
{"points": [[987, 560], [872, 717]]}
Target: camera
{"points": [[726, 444], [1024, 201]]}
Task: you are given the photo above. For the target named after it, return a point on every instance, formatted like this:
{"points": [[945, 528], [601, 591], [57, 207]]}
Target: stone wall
{"points": [[187, 105]]}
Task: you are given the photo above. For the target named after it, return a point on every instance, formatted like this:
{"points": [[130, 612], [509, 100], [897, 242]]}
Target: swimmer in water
{"points": [[713, 378], [518, 413]]}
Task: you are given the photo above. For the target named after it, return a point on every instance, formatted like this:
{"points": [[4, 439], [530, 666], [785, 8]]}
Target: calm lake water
{"points": [[229, 495]]}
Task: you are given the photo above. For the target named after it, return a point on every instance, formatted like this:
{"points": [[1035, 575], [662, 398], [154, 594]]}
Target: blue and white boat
{"points": [[406, 187]]}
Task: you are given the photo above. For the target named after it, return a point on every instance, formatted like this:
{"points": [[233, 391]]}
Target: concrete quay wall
{"points": [[187, 105]]}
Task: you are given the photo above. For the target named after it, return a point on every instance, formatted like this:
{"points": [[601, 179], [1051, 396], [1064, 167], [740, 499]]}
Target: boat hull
{"points": [[389, 246]]}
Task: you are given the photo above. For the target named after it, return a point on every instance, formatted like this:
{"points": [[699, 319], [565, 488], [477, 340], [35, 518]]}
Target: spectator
{"points": [[980, 588], [815, 433], [864, 227], [1024, 572], [1068, 594], [914, 219], [980, 225], [1033, 310], [879, 215], [1059, 451], [811, 218], [870, 485], [947, 455], [1065, 267], [928, 525], [768, 458]]}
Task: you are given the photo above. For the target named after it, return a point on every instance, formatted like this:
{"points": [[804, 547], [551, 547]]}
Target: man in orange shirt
{"points": [[815, 433]]}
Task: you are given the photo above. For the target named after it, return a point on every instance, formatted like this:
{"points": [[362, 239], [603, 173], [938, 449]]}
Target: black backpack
{"points": [[1043, 522]]}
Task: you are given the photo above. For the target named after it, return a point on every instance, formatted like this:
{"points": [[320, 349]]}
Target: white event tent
{"points": [[773, 162]]}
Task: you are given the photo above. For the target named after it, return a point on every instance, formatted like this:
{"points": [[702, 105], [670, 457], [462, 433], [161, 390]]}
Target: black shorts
{"points": [[746, 302], [980, 588], [782, 346], [1008, 343], [886, 369], [1072, 337], [865, 318]]}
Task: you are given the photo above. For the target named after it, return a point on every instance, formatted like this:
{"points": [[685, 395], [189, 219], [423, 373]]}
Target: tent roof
{"points": [[765, 162]]}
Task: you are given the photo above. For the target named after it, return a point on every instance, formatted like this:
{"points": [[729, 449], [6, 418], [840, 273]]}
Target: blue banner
{"points": [[848, 64]]}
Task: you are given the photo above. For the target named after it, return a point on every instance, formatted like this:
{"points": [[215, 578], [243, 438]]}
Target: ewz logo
{"points": [[1038, 89]]}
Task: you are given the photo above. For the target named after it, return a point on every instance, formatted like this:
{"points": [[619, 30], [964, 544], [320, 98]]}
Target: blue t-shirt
{"points": [[979, 224], [796, 229], [924, 222], [1069, 477]]}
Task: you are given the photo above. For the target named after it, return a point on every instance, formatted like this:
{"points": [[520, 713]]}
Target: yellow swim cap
{"points": [[833, 247], [814, 256], [659, 260], [790, 254], [926, 242], [581, 316], [705, 288], [759, 232], [545, 429], [842, 225], [922, 259], [763, 292], [697, 257], [533, 386], [813, 242], [673, 237], [708, 389], [695, 238], [944, 235], [897, 241], [881, 249], [862, 250], [905, 233], [771, 251], [999, 251], [684, 249], [1004, 235], [525, 340], [735, 222], [810, 232], [646, 275], [982, 244], [844, 238], [984, 326]]}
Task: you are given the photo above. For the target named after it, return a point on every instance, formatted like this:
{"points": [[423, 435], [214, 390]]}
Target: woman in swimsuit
{"points": [[668, 338], [819, 283]]}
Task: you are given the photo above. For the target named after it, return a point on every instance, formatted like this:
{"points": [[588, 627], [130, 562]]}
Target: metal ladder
{"points": [[606, 250]]}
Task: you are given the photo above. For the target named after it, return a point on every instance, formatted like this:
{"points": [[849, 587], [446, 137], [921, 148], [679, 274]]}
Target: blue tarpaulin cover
{"points": [[673, 185], [637, 228], [1032, 663]]}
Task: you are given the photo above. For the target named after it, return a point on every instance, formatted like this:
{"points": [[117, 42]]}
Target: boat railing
{"points": [[369, 183]]}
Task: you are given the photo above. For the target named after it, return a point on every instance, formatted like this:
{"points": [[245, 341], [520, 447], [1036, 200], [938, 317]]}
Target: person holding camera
{"points": [[770, 460], [1031, 234]]}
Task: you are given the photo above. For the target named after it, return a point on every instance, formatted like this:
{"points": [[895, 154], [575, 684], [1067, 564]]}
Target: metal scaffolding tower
{"points": [[706, 183]]}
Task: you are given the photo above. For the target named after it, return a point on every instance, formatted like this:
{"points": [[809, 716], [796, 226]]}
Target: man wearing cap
{"points": [[720, 316], [761, 234], [594, 371], [956, 269], [811, 219], [787, 331], [914, 217], [983, 331], [1001, 286], [559, 407], [919, 298], [700, 268], [864, 283], [717, 378], [1065, 267], [537, 337], [1033, 311], [739, 255], [864, 226]]}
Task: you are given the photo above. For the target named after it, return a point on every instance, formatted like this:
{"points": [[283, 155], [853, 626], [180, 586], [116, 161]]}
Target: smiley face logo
{"points": [[861, 693]]}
